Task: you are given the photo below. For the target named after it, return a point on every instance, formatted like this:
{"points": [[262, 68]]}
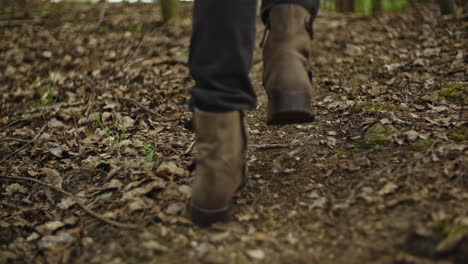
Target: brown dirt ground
{"points": [[379, 177]]}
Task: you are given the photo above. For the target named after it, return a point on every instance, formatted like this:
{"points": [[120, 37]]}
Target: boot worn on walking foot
{"points": [[221, 142], [286, 78]]}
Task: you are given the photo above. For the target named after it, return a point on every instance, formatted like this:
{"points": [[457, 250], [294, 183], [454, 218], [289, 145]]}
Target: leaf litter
{"points": [[380, 177]]}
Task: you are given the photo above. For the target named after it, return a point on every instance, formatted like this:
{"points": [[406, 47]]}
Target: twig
{"points": [[276, 169], [12, 123], [190, 147], [112, 173], [19, 22], [271, 146], [135, 102], [55, 106], [15, 139], [102, 14], [8, 205], [130, 56], [83, 206], [171, 62], [25, 145]]}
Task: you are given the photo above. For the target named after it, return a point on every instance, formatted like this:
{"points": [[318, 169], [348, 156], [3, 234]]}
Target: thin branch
{"points": [[25, 145], [12, 123], [83, 206], [271, 146], [8, 205], [15, 139], [19, 22], [130, 56], [190, 147], [55, 106], [102, 14], [171, 62], [135, 102], [45, 108]]}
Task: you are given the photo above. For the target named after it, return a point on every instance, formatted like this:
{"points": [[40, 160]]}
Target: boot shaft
{"points": [[286, 75], [289, 21], [221, 144]]}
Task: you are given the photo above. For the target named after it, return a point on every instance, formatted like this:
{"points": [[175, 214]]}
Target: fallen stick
{"points": [[12, 123], [190, 147], [271, 146], [18, 22], [14, 139], [25, 145], [171, 62], [83, 206], [135, 102], [55, 106]]}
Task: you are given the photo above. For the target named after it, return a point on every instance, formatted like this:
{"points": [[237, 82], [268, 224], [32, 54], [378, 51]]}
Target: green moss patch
{"points": [[376, 136], [454, 230], [455, 92], [371, 107], [423, 144], [459, 134]]}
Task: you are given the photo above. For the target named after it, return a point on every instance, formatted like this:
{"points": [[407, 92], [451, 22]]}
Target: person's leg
{"points": [[220, 59], [286, 54], [221, 52]]}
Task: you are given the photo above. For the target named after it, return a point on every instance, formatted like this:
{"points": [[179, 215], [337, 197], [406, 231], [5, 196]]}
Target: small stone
{"points": [[174, 208], [47, 54], [155, 246], [353, 50], [412, 135], [56, 123], [128, 122], [388, 188], [51, 242], [319, 203], [256, 254], [50, 226], [32, 237], [185, 190]]}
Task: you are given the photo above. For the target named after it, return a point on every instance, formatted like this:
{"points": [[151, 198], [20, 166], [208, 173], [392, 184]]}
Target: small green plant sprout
{"points": [[453, 230], [372, 107], [115, 137], [151, 152], [46, 93]]}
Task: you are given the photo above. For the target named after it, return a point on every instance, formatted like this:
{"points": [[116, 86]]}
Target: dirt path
{"points": [[380, 177]]}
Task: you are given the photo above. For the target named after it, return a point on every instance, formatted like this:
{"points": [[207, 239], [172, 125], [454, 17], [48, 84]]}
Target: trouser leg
{"points": [[311, 5], [221, 52]]}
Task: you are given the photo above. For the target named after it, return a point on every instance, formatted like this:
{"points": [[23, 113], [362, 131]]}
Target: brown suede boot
{"points": [[221, 142], [286, 78]]}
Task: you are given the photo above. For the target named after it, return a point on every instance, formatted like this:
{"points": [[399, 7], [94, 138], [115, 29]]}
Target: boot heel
{"points": [[289, 108], [205, 217]]}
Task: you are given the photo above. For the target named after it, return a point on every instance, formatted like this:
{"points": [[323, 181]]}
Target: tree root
{"points": [[83, 206]]}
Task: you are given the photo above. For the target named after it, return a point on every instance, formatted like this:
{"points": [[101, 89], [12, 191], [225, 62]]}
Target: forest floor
{"points": [[97, 109]]}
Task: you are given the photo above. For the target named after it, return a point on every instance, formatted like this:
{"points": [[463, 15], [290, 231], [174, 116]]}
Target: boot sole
{"points": [[288, 108], [205, 218]]}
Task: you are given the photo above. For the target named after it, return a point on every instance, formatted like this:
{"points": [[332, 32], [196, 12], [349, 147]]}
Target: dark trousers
{"points": [[221, 50]]}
